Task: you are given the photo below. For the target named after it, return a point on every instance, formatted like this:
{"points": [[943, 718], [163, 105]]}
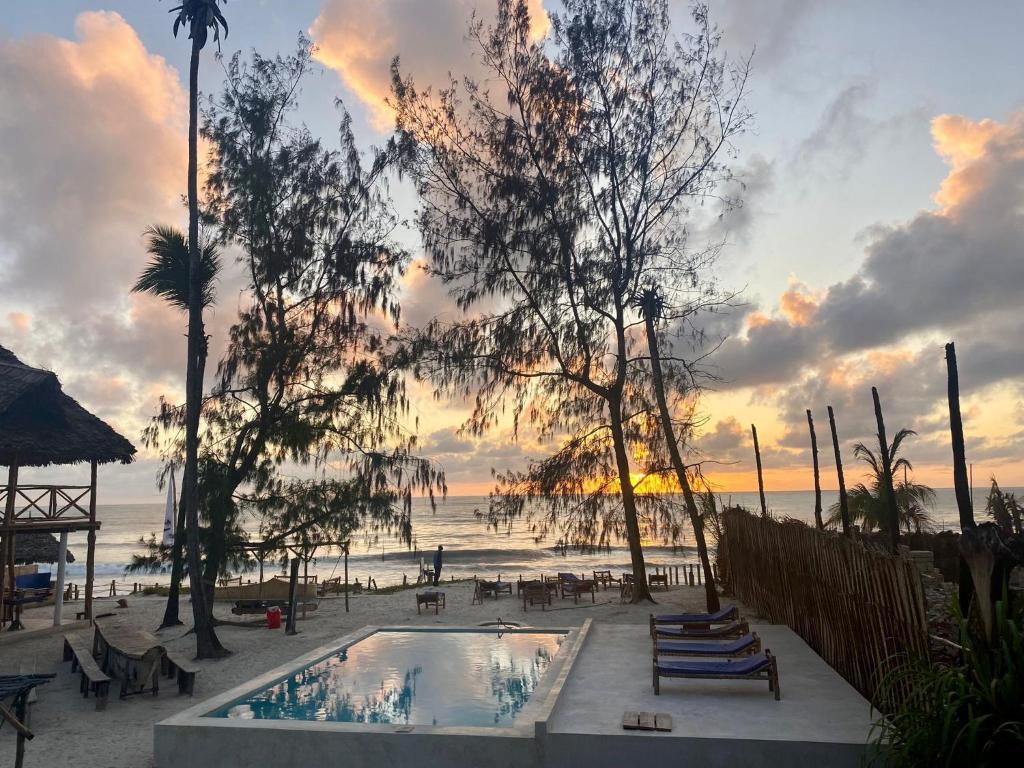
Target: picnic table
{"points": [[129, 654]]}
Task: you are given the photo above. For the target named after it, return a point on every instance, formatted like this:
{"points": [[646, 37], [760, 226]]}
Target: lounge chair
{"points": [[732, 629], [571, 584], [761, 666], [728, 613], [696, 620], [746, 645]]}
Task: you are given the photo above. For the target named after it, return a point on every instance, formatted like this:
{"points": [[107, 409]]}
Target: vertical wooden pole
{"points": [[844, 504], [293, 593], [346, 577], [58, 598], [961, 483], [760, 476], [90, 556], [887, 485], [7, 545], [817, 478]]}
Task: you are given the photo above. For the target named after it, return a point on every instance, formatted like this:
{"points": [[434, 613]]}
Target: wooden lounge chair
{"points": [[431, 597], [746, 645], [570, 583], [534, 592], [695, 620], [732, 629], [762, 666]]}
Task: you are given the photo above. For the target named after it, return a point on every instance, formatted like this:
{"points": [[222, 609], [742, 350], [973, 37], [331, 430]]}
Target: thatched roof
{"points": [[37, 548], [40, 425]]}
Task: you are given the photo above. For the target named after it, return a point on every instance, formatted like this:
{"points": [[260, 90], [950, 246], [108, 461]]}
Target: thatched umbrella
{"points": [[38, 548]]}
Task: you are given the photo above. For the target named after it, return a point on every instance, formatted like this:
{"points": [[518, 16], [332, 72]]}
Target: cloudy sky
{"points": [[884, 213]]}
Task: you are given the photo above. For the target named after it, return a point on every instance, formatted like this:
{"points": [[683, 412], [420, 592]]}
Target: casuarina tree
{"points": [[555, 189]]}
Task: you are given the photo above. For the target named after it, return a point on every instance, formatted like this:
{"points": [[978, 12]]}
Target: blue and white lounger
{"points": [[763, 666], [732, 629], [728, 613], [742, 646]]}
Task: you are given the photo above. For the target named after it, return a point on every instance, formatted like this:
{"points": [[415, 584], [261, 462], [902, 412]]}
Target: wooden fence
{"points": [[857, 608]]}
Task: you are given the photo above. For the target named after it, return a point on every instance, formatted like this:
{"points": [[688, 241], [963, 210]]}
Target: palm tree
{"points": [[867, 503], [652, 307], [167, 273], [199, 16], [167, 276]]}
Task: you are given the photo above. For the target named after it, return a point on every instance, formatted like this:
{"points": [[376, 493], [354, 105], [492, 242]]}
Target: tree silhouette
{"points": [[553, 191], [867, 503], [199, 17], [167, 276]]}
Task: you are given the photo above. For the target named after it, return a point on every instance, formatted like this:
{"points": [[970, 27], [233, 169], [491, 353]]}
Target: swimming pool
{"points": [[459, 678], [447, 697]]}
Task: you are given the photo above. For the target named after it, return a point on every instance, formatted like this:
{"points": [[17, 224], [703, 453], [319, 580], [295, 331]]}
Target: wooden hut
{"points": [[41, 426]]}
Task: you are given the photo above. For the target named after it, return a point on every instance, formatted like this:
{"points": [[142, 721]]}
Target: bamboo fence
{"points": [[857, 608]]}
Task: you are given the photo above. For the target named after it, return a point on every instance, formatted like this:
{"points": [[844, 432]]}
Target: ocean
{"points": [[470, 548]]}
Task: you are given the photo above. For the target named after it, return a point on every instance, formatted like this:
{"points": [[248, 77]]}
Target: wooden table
{"points": [[130, 655]]}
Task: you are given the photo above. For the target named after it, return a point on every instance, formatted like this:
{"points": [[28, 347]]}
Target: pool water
{"points": [[467, 678]]}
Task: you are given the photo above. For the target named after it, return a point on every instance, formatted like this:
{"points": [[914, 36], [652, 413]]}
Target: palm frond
{"points": [[166, 274]]}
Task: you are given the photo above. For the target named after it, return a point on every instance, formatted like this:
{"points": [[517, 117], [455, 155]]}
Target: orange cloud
{"points": [[798, 305], [966, 145], [360, 38]]}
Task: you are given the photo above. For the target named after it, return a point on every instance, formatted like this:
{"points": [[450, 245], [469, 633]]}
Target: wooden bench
{"points": [[430, 598], [78, 651], [174, 666]]}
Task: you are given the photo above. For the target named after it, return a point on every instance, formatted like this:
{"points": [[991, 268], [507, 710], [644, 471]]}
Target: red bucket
{"points": [[273, 618]]}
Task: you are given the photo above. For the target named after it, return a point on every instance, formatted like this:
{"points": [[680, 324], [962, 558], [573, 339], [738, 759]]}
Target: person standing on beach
{"points": [[437, 564]]}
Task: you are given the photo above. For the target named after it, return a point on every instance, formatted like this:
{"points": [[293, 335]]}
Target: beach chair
{"points": [[723, 616], [761, 666], [605, 579], [745, 645], [534, 592], [571, 584], [732, 629]]}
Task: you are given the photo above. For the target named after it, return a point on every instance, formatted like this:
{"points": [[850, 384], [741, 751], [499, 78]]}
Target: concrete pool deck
{"points": [[574, 718], [821, 719]]}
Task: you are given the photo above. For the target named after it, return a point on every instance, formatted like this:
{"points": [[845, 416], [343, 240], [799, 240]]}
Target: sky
{"points": [[883, 216]]}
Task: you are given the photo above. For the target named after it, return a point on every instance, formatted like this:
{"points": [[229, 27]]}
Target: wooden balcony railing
{"points": [[48, 502]]}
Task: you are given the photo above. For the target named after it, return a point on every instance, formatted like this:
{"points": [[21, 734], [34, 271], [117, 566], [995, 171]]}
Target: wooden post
{"points": [[346, 577], [817, 478], [7, 545], [58, 597], [887, 487], [961, 482], [90, 555], [844, 504], [760, 477], [293, 593]]}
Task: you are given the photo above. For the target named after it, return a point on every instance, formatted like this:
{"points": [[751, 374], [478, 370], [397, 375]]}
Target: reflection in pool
{"points": [[417, 678]]}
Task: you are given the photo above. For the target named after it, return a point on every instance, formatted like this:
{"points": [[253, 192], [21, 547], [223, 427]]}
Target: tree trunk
{"points": [[844, 504], [760, 476], [817, 477], [960, 482], [207, 643], [887, 487], [710, 593], [636, 553], [171, 613]]}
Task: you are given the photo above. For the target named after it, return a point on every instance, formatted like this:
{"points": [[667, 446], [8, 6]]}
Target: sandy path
{"points": [[69, 731]]}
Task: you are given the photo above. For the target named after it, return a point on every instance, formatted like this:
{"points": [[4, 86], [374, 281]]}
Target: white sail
{"points": [[169, 513]]}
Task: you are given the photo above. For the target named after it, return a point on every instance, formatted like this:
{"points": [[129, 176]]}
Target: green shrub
{"points": [[966, 714]]}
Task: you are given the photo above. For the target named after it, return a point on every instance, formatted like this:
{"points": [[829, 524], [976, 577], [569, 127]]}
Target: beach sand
{"points": [[69, 730]]}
